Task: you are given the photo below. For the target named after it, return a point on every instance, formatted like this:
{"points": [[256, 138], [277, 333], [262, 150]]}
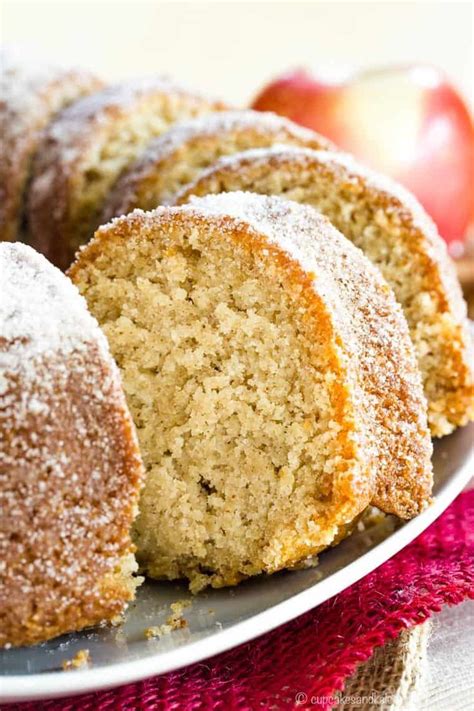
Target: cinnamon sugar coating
{"points": [[271, 377], [393, 230], [86, 149], [70, 470]]}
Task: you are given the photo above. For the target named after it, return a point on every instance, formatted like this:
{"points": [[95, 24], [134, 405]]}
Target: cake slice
{"points": [[395, 233], [271, 378], [70, 469], [30, 95], [179, 155], [85, 150]]}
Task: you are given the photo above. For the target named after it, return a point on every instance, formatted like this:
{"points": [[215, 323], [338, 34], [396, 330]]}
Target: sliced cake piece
{"points": [[271, 378], [395, 233], [179, 155], [70, 470], [86, 149], [30, 95]]}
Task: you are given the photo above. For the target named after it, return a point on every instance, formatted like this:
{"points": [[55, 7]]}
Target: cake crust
{"points": [[397, 235], [70, 469], [85, 150]]}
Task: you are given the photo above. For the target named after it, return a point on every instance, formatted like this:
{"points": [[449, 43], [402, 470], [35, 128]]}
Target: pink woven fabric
{"points": [[314, 655]]}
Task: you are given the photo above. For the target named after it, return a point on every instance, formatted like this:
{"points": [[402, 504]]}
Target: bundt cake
{"points": [[85, 150], [29, 98], [393, 230], [70, 469], [179, 155], [271, 378]]}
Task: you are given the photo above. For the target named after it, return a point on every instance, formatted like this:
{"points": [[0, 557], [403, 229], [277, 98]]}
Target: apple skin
{"points": [[407, 121]]}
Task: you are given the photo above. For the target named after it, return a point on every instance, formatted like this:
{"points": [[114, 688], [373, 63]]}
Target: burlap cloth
{"points": [[390, 680], [427, 668]]}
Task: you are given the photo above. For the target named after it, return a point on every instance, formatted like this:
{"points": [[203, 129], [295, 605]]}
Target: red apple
{"points": [[408, 122]]}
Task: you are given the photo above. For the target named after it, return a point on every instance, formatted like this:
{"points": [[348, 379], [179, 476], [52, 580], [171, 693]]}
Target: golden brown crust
{"points": [[439, 330], [175, 158], [71, 156], [70, 468], [30, 97]]}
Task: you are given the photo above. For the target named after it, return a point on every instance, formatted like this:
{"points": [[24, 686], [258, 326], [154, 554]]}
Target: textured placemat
{"points": [[391, 679], [427, 668]]}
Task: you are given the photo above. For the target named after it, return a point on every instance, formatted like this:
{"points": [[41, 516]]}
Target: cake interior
{"points": [[388, 243], [185, 163], [229, 385], [124, 139]]}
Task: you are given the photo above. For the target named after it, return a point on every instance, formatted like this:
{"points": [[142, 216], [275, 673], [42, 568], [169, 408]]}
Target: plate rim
{"points": [[51, 685]]}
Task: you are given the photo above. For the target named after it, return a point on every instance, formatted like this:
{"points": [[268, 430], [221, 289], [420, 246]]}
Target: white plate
{"points": [[221, 619]]}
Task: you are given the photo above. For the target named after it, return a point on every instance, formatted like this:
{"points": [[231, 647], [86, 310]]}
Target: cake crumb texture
{"points": [[394, 232], [275, 394]]}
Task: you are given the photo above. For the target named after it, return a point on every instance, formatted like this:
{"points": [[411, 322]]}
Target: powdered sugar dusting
{"points": [[173, 159], [87, 147], [67, 448], [41, 311], [374, 180], [349, 169], [393, 229], [224, 122], [120, 96], [21, 87], [304, 237], [80, 123], [30, 95]]}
